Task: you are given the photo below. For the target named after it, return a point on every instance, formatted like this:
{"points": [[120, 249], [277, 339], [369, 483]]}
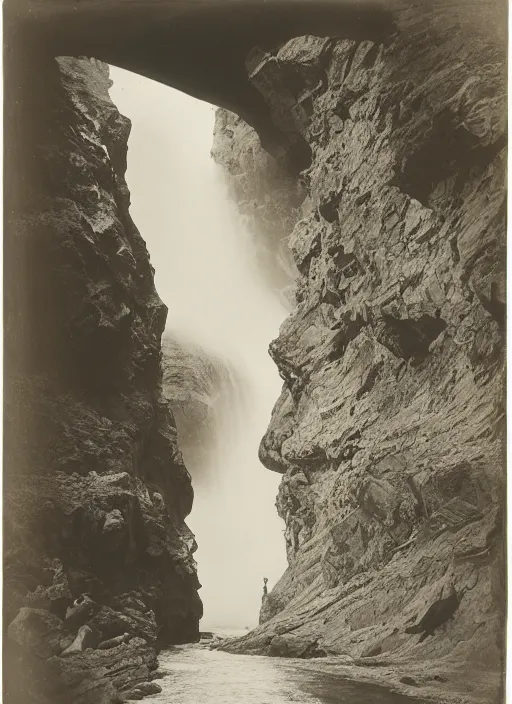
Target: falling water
{"points": [[206, 273]]}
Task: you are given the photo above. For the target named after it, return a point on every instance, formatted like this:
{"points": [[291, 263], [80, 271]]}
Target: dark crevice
{"points": [[455, 250], [341, 259], [325, 62], [447, 150], [342, 111], [370, 57], [328, 210], [494, 306], [363, 199], [350, 61], [298, 157], [370, 380], [306, 263], [410, 339], [349, 331]]}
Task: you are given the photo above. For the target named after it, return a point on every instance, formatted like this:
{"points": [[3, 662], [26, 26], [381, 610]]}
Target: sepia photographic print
{"points": [[254, 351]]}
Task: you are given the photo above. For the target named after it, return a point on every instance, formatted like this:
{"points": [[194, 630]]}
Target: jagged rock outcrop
{"points": [[268, 197], [96, 491], [198, 387], [389, 428]]}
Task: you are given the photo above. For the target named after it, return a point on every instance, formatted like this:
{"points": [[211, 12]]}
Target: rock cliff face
{"points": [[267, 195], [198, 387], [388, 431], [96, 546]]}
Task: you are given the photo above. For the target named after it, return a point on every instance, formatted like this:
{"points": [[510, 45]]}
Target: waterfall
{"points": [[206, 272]]}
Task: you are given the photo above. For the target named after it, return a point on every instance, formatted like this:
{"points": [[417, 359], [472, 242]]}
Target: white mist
{"points": [[206, 273]]}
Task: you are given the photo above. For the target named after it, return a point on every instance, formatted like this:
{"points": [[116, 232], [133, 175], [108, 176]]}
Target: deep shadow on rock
{"points": [[96, 544]]}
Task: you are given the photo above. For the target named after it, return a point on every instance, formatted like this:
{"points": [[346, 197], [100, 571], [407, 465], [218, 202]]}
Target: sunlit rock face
{"points": [[388, 432], [96, 489]]}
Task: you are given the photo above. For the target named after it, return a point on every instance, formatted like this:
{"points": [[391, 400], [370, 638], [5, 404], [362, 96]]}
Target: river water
{"points": [[198, 675]]}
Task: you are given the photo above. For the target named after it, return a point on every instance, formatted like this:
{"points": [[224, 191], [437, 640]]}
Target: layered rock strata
{"points": [[97, 550], [389, 428]]}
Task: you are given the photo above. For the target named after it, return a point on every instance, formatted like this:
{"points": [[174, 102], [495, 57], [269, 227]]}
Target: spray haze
{"points": [[206, 273]]}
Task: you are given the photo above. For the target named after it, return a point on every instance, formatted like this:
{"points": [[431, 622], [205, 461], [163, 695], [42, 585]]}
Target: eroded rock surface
{"points": [[198, 386], [268, 197], [97, 494], [388, 431]]}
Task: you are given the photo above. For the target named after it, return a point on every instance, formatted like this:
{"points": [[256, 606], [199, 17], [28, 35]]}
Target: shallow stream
{"points": [[198, 675]]}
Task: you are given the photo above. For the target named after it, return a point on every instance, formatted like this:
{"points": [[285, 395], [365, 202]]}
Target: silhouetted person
{"points": [[265, 590]]}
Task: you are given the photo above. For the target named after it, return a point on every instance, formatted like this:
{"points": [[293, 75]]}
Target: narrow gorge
{"points": [[370, 182], [225, 305]]}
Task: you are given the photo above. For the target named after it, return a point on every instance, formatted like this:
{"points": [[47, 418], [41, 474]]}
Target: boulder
{"points": [[37, 630], [114, 642], [111, 623], [55, 597], [149, 688], [84, 640], [80, 612], [372, 650], [142, 690], [409, 680], [114, 531], [288, 646]]}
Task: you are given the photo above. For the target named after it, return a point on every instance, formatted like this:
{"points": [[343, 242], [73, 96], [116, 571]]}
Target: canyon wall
{"points": [[198, 387], [99, 567], [268, 197], [389, 429]]}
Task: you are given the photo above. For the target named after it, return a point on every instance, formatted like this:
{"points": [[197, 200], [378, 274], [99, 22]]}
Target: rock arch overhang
{"points": [[197, 46], [201, 46]]}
